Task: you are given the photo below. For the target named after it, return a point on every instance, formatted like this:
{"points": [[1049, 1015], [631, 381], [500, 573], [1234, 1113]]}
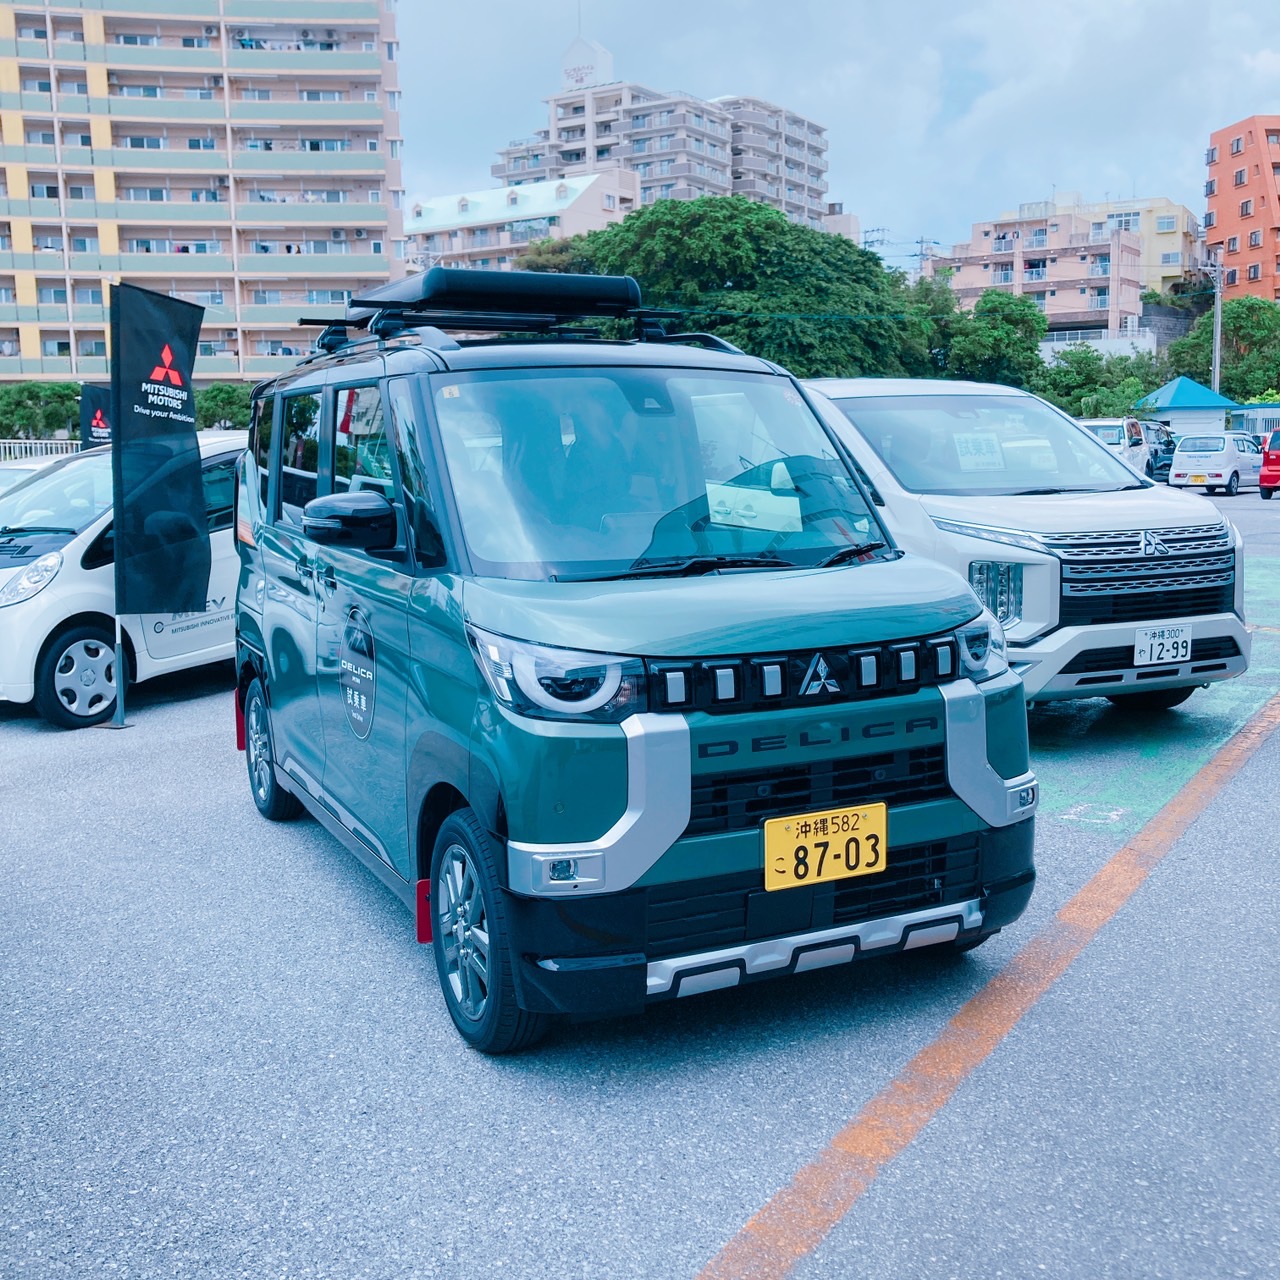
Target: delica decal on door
{"points": [[357, 673]]}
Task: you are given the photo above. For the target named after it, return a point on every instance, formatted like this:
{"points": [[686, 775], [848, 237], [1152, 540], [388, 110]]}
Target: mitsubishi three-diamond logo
{"points": [[818, 678], [1152, 546], [165, 371], [99, 423]]}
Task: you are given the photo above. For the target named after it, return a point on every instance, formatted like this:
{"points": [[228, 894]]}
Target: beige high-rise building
{"points": [[681, 146], [242, 154]]}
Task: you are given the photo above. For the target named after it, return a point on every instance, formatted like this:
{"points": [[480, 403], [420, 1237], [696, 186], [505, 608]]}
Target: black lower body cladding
{"points": [[590, 956]]}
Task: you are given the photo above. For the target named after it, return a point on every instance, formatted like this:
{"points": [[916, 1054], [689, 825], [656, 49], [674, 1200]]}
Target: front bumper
{"points": [[611, 956], [1093, 661]]}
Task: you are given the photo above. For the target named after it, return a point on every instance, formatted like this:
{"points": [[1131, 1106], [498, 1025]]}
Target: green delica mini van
{"points": [[595, 651]]}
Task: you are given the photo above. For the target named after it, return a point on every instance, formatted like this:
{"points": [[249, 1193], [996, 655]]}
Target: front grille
{"points": [[724, 802], [1120, 657], [731, 910], [1135, 575]]}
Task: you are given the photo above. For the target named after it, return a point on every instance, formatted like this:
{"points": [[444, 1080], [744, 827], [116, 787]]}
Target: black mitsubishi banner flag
{"points": [[95, 415], [161, 530]]}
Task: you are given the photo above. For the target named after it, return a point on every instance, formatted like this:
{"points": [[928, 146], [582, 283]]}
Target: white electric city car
{"points": [[1106, 584], [57, 588], [1219, 460]]}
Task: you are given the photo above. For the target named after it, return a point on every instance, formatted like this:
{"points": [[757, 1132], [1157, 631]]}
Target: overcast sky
{"points": [[939, 112]]}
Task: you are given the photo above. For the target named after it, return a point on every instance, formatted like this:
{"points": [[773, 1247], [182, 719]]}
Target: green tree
{"points": [[223, 404], [999, 341], [814, 302], [557, 255], [932, 321], [39, 410], [1250, 348], [1089, 385]]}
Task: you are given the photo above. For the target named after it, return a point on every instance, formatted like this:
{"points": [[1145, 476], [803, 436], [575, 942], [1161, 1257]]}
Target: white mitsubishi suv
{"points": [[1106, 584]]}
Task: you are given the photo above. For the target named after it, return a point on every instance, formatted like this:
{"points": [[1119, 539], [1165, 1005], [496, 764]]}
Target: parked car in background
{"points": [[13, 471], [1226, 460], [1269, 476], [57, 588], [1146, 446], [1106, 584]]}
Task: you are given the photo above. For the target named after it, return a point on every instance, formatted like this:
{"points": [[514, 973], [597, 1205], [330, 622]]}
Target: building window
{"points": [[195, 42], [1239, 178], [1231, 276], [121, 38], [1237, 146], [1166, 222], [371, 144], [640, 146], [1170, 259], [76, 191], [1211, 187], [88, 295], [1211, 156], [665, 141], [1246, 208], [1255, 239], [1210, 219], [1233, 244], [610, 201], [52, 294], [56, 347], [1255, 271]]}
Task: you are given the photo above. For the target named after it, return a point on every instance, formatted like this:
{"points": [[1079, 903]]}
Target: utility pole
{"points": [[1215, 272], [874, 237]]}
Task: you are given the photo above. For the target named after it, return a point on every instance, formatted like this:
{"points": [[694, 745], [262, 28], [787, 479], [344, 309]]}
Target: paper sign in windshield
{"points": [[979, 451], [743, 508]]}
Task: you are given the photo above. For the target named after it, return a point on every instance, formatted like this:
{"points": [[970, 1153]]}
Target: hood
{"points": [[729, 613], [18, 549], [1156, 508]]}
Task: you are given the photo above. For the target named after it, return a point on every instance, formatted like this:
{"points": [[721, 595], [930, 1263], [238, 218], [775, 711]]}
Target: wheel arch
{"points": [[91, 618]]}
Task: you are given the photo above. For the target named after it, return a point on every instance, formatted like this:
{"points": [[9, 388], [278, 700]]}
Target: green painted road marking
{"points": [[1108, 769]]}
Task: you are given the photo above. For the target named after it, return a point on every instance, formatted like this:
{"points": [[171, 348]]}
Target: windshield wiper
{"points": [[688, 567], [31, 528], [845, 554]]}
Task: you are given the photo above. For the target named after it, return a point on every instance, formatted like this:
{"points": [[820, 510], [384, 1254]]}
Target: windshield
{"points": [[66, 496], [984, 445], [1109, 435], [1202, 444], [597, 472]]}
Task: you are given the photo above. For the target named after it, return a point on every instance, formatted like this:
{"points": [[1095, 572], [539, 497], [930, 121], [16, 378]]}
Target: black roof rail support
{"points": [[708, 340]]}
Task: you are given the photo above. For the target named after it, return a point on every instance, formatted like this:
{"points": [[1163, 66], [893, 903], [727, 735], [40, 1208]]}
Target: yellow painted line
{"points": [[799, 1216]]}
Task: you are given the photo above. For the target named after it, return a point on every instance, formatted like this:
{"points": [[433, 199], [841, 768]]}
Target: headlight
{"points": [[559, 684], [998, 585], [982, 648], [989, 533], [32, 580]]}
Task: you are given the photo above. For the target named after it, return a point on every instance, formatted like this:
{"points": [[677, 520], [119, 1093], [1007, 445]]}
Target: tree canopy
{"points": [[223, 404], [1250, 348], [39, 410]]}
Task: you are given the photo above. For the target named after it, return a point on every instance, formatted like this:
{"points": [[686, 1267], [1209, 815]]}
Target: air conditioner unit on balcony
{"points": [[331, 34], [224, 182], [215, 82], [239, 33], [211, 31], [228, 333], [361, 233], [305, 34], [337, 234]]}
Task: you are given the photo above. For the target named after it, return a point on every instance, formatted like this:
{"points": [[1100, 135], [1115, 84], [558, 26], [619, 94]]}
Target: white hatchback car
{"points": [[57, 588], [1226, 460], [1106, 584]]}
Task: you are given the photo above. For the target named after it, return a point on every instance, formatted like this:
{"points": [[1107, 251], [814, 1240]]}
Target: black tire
{"points": [[1232, 486], [1153, 699], [961, 945], [1211, 488], [469, 931], [76, 678], [271, 799], [1266, 494], [1150, 470]]}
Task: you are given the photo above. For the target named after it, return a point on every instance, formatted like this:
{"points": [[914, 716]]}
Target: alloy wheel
{"points": [[462, 919]]}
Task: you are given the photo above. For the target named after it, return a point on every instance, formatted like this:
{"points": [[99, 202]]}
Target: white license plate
{"points": [[1153, 645]]}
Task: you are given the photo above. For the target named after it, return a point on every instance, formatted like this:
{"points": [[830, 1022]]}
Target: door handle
{"points": [[304, 568], [326, 577]]}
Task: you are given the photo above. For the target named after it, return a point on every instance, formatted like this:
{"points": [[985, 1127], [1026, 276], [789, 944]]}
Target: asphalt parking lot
{"points": [[224, 1054]]}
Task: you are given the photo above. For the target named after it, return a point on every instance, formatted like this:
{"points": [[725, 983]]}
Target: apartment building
{"points": [[242, 154], [1242, 194], [492, 229], [1084, 273], [681, 146]]}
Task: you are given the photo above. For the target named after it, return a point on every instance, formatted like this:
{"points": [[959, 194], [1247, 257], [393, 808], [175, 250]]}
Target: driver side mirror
{"points": [[362, 520]]}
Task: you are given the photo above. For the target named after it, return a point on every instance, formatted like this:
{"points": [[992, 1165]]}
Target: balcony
{"points": [[320, 213], [203, 213], [266, 61], [1099, 268], [303, 12], [160, 160], [307, 112], [1099, 302], [1002, 277], [175, 108], [168, 56], [1035, 273], [282, 159], [1002, 246], [1035, 242]]}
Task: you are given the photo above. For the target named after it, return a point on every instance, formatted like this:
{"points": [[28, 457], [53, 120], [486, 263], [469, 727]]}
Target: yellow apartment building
{"points": [[242, 154]]}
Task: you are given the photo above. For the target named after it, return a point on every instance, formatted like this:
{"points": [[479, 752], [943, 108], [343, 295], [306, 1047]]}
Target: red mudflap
{"points": [[240, 741], [422, 895]]}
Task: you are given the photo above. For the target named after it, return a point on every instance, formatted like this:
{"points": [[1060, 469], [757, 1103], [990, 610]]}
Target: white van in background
{"points": [[1106, 584]]}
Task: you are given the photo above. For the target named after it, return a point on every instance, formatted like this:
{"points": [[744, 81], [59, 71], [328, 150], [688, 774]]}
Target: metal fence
{"points": [[37, 448]]}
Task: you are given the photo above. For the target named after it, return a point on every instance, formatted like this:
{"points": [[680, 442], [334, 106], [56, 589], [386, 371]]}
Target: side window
{"points": [[361, 458], [300, 454], [407, 442], [219, 493], [260, 442]]}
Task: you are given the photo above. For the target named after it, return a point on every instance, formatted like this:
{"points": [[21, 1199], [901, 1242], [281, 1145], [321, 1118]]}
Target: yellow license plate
{"points": [[832, 844], [1198, 479]]}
